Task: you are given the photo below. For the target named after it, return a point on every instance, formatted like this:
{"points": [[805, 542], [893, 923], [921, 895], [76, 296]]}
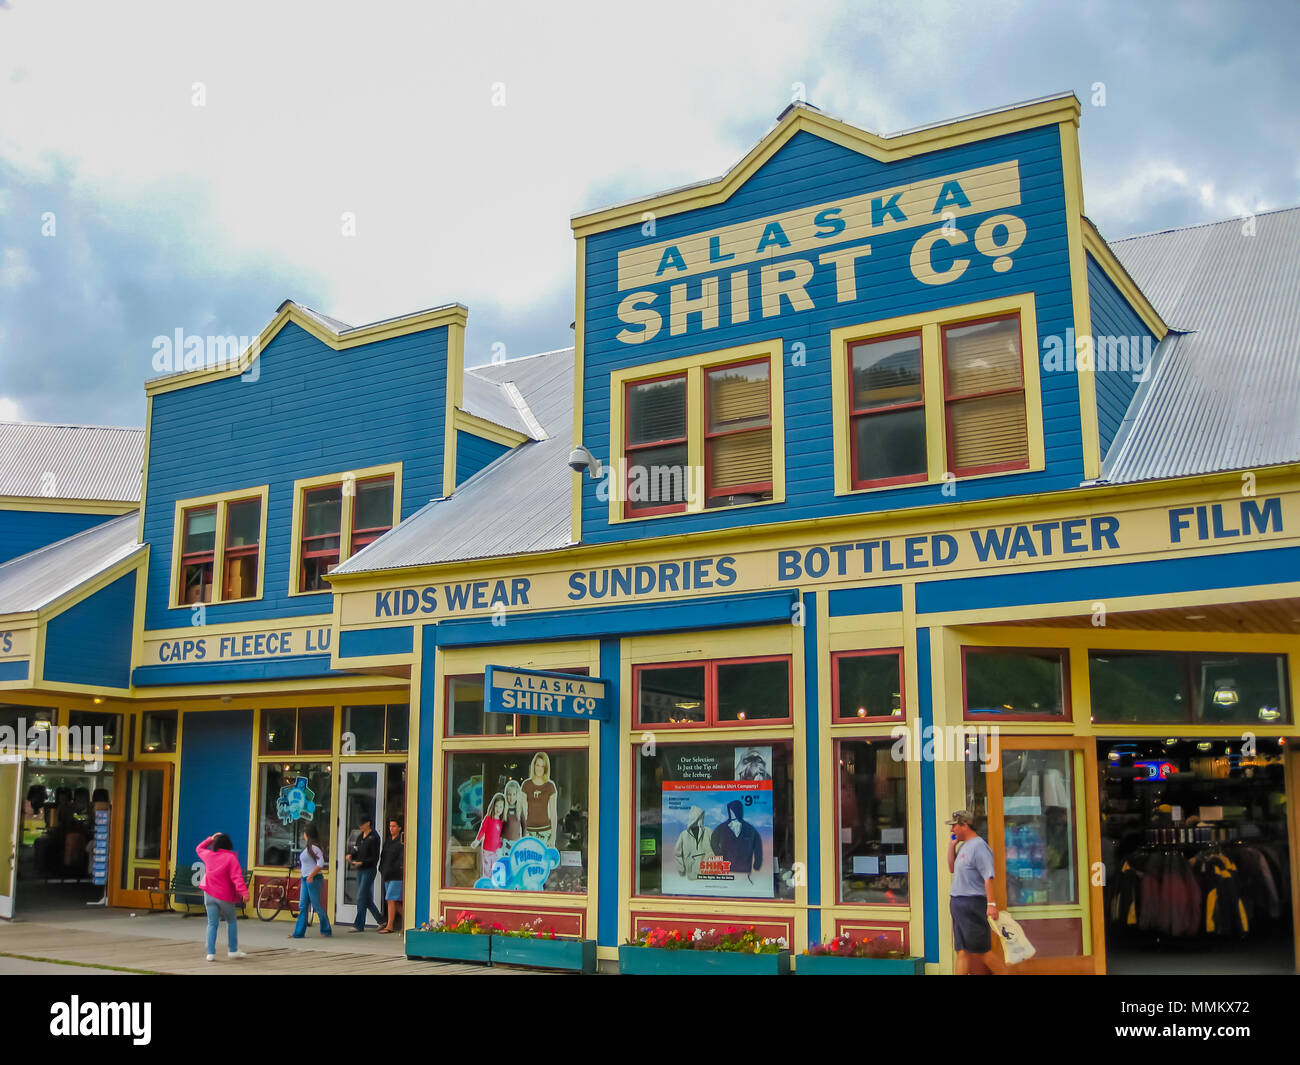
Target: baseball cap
{"points": [[960, 817]]}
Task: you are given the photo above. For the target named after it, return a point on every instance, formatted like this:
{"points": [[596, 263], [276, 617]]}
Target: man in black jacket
{"points": [[391, 865], [364, 858]]}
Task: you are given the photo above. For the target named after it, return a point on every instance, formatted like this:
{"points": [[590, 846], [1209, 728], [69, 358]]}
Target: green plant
{"points": [[732, 939]]}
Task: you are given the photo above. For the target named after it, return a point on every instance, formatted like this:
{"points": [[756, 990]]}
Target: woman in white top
{"points": [[312, 862]]}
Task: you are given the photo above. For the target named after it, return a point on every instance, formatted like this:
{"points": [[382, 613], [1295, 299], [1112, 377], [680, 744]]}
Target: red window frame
{"points": [[1063, 656], [447, 709], [876, 652], [950, 400], [301, 749], [630, 509], [198, 558], [709, 435], [883, 741], [243, 550], [303, 553], [711, 694], [298, 748], [855, 415], [363, 537]]}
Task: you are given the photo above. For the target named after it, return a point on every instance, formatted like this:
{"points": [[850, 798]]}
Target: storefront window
{"points": [[1155, 687], [465, 716], [716, 820], [158, 732], [517, 820], [309, 730], [84, 740], [873, 823], [30, 716], [1015, 683], [378, 729], [730, 692], [1240, 689], [282, 817], [868, 685]]}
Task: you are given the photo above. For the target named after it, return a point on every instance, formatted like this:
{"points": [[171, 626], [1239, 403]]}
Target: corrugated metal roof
{"points": [[37, 579], [517, 504], [488, 399], [96, 462], [1225, 391]]}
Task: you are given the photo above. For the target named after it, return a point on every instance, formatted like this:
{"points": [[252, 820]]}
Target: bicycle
{"points": [[275, 895]]}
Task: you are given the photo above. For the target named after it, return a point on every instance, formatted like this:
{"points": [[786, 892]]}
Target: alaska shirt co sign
{"points": [[543, 694]]}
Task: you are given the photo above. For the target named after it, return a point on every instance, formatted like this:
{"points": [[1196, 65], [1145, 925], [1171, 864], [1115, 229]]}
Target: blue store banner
{"points": [[544, 694]]}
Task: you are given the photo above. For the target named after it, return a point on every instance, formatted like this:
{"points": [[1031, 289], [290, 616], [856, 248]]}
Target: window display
{"points": [[716, 821], [517, 820], [465, 716], [873, 823], [277, 842]]}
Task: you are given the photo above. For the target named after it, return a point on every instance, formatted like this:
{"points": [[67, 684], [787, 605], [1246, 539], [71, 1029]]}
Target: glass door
{"points": [[363, 790], [11, 775], [1035, 805], [139, 826]]}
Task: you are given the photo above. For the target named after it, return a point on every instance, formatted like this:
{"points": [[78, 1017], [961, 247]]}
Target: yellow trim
{"points": [[101, 580], [455, 399], [303, 484], [42, 504], [222, 500], [1072, 173], [796, 119], [694, 366], [579, 420], [452, 314], [497, 434], [144, 464], [929, 324], [1095, 245]]}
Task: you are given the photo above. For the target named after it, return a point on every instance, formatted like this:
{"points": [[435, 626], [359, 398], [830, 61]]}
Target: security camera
{"points": [[580, 458]]}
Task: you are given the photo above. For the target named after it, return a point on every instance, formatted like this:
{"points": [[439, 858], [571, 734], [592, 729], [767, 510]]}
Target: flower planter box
{"points": [[830, 965], [449, 946], [653, 961], [577, 955]]}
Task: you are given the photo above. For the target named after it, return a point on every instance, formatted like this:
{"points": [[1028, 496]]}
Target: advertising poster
{"points": [[717, 827]]}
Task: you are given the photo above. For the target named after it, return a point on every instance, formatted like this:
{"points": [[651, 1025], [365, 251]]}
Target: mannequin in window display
{"points": [[540, 799], [513, 822], [693, 845], [490, 832]]}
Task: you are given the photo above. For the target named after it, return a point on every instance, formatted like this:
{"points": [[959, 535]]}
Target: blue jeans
{"points": [[221, 911], [366, 899], [308, 900]]}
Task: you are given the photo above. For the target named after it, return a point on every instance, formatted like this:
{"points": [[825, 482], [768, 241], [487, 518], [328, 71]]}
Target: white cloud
{"points": [[8, 410]]}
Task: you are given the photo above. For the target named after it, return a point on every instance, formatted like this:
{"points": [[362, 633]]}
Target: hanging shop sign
{"points": [[530, 691], [931, 549]]}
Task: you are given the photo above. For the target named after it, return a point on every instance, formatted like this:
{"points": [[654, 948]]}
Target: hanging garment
{"points": [[1225, 908]]}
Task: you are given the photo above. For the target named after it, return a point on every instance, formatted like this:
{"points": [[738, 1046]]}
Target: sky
{"points": [[175, 165]]}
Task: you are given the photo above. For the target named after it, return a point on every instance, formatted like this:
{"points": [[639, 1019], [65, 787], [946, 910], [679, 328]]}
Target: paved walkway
{"points": [[108, 940]]}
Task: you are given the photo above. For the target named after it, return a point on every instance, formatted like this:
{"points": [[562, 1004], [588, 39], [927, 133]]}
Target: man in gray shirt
{"points": [[971, 898]]}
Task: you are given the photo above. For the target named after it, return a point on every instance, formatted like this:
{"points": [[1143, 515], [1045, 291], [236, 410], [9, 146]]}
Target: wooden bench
{"points": [[182, 889]]}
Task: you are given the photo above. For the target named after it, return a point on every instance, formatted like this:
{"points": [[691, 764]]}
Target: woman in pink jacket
{"points": [[223, 886]]}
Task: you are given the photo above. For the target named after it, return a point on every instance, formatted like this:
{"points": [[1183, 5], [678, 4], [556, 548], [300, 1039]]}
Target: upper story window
{"points": [[710, 694], [984, 396], [218, 548], [698, 433], [335, 517], [949, 393]]}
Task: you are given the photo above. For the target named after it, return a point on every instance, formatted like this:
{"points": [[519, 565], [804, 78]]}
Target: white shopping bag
{"points": [[1015, 944]]}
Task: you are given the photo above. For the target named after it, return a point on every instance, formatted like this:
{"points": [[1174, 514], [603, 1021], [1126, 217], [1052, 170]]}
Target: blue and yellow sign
{"points": [[544, 694]]}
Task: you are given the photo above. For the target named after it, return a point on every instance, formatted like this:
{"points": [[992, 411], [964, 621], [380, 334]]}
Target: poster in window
{"points": [[717, 827]]}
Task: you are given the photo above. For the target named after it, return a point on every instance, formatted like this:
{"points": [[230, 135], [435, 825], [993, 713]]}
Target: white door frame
{"points": [[12, 824], [346, 912]]}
